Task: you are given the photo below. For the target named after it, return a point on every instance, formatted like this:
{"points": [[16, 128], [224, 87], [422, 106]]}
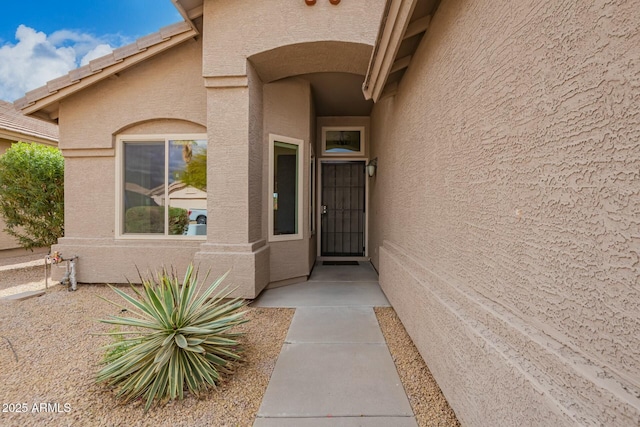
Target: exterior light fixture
{"points": [[371, 167], [334, 2]]}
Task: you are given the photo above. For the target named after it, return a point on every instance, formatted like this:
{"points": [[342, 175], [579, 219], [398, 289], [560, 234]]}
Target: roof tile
{"points": [[99, 64], [20, 103], [36, 94], [125, 51], [174, 29], [13, 120], [59, 83], [80, 73], [150, 40]]}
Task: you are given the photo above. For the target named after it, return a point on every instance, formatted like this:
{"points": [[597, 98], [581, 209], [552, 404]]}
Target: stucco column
{"points": [[235, 240]]}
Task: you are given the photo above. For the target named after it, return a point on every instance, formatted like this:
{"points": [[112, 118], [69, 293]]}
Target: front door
{"points": [[343, 208]]}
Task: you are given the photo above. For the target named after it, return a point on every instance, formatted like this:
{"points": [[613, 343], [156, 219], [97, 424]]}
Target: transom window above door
{"points": [[343, 141]]}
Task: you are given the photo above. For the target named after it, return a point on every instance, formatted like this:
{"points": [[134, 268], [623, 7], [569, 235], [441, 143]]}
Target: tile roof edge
{"points": [[118, 55], [13, 123], [42, 129]]}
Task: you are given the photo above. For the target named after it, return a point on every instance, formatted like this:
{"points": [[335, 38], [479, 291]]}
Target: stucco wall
{"points": [[166, 86], [287, 109], [287, 39], [234, 166], [279, 23], [164, 94], [505, 209], [256, 156], [313, 239]]}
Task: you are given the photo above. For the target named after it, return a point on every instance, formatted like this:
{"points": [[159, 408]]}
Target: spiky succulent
{"points": [[177, 338]]}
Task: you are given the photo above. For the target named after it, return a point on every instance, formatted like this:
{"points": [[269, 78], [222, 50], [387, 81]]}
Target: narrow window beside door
{"points": [[285, 188]]}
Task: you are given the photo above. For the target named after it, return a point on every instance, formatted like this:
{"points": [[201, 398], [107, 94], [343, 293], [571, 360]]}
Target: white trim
{"points": [[273, 138], [119, 172], [313, 190], [360, 153], [319, 210]]}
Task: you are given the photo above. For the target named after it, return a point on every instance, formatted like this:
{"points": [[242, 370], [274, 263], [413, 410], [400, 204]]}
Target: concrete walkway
{"points": [[334, 368]]}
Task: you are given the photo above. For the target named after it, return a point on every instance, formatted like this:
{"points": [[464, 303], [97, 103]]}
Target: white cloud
{"points": [[96, 52], [37, 58]]}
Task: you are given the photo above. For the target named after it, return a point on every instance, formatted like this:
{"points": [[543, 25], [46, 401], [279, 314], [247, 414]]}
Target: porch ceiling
{"points": [[335, 70], [338, 94]]}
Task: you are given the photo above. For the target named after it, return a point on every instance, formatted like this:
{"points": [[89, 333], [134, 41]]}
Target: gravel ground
{"points": [[18, 256], [23, 279], [48, 356], [427, 401], [57, 358]]}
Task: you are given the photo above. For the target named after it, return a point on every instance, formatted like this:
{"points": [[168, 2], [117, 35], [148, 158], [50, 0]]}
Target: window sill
{"points": [[180, 238], [285, 238]]}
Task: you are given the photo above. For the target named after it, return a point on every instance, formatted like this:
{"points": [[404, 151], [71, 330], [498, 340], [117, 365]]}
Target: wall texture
{"points": [[165, 94], [279, 23], [287, 39], [166, 86], [287, 109], [506, 205]]}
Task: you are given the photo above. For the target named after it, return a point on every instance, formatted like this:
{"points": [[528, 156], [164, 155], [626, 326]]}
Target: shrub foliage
{"points": [[150, 219], [32, 194], [195, 174], [179, 338]]}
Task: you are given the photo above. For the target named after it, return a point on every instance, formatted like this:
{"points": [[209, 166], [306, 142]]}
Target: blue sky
{"points": [[41, 40]]}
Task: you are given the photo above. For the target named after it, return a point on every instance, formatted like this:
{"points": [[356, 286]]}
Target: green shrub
{"points": [[32, 194], [195, 173], [178, 339], [150, 219], [178, 220]]}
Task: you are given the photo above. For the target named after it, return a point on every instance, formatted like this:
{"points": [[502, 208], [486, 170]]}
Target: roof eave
{"points": [[27, 137], [392, 28], [43, 102], [189, 13], [402, 28]]}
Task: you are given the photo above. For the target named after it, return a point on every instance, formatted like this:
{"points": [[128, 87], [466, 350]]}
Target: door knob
{"points": [[324, 209]]}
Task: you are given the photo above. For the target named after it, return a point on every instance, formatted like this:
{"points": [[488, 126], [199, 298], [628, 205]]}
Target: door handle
{"points": [[324, 209]]}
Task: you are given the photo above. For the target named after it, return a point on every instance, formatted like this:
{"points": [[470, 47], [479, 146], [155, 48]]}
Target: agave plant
{"points": [[119, 346], [179, 338]]}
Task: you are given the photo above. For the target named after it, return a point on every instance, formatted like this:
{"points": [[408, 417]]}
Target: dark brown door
{"points": [[343, 209]]}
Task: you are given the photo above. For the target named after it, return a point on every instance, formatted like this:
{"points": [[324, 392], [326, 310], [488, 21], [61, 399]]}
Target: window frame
{"points": [[273, 138], [360, 153], [121, 140], [312, 192]]}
